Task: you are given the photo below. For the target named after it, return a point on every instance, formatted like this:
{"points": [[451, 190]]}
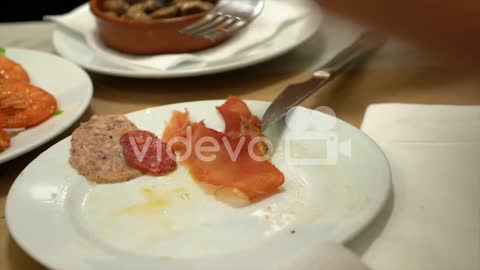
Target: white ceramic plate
{"points": [[70, 85], [73, 46], [168, 222]]}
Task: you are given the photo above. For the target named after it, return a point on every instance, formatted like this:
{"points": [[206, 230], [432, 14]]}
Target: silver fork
{"points": [[227, 17]]}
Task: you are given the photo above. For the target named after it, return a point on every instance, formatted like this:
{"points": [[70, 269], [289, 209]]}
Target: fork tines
{"points": [[227, 17], [214, 26]]}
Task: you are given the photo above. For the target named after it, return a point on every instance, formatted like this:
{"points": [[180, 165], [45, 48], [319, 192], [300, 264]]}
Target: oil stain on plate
{"points": [[173, 216]]}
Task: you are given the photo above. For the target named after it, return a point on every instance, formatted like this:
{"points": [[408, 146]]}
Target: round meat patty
{"points": [[96, 151]]}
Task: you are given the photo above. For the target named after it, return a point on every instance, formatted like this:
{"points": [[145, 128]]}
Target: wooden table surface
{"points": [[348, 96]]}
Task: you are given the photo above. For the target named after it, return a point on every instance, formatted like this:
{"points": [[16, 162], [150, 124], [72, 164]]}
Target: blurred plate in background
{"points": [[69, 84], [74, 47]]}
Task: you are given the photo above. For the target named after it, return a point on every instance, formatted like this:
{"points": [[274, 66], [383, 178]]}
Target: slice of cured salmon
{"points": [[233, 159]]}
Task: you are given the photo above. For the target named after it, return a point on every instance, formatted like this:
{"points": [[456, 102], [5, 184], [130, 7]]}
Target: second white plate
{"points": [[73, 46], [69, 84]]}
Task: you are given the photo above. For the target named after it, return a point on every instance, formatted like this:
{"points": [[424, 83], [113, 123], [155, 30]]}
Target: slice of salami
{"points": [[146, 152]]}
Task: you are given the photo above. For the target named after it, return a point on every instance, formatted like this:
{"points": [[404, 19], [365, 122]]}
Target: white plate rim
{"points": [[67, 124], [386, 193], [221, 66]]}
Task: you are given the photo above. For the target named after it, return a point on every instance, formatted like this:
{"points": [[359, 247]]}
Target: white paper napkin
{"points": [[276, 16], [433, 220]]}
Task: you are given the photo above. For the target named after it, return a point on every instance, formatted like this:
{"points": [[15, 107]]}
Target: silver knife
{"points": [[295, 94]]}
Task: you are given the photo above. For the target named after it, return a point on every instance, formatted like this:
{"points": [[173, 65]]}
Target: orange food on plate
{"points": [[10, 70], [23, 105], [239, 121], [232, 166], [176, 127], [4, 140]]}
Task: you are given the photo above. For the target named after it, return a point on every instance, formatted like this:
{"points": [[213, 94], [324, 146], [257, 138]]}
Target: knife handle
{"points": [[365, 44]]}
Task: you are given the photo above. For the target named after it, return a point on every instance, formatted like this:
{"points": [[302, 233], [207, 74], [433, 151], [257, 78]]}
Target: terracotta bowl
{"points": [[148, 37]]}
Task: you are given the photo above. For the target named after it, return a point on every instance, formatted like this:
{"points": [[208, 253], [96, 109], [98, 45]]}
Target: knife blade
{"points": [[295, 94]]}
